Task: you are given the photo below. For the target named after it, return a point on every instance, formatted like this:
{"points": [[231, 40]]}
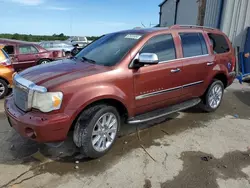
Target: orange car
{"points": [[6, 73]]}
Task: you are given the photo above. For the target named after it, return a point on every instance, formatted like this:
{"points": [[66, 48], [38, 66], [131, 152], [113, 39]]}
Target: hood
{"points": [[59, 72]]}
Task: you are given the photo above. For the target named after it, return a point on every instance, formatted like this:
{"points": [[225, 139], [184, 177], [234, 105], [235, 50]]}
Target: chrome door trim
{"points": [[139, 97], [192, 84], [172, 60], [157, 93]]}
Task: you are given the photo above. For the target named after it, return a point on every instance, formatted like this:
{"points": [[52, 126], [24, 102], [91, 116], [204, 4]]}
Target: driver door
{"points": [[158, 85]]}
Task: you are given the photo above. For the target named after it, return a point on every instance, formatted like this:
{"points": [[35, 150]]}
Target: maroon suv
{"points": [[137, 74], [25, 55]]}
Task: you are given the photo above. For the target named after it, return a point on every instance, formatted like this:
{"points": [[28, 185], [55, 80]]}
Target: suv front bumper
{"points": [[36, 125]]}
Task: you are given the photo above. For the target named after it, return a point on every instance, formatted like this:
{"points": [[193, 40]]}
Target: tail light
{"points": [[234, 63], [6, 63], [58, 53]]}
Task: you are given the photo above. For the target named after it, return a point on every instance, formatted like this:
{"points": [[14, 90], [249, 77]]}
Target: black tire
{"points": [[84, 128], [75, 51], [4, 89], [205, 105], [41, 61], [67, 54]]}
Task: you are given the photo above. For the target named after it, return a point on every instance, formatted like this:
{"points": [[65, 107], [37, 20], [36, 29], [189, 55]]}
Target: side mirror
{"points": [[148, 59]]}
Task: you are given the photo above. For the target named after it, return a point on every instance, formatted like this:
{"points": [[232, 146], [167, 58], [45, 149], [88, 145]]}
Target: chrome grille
{"points": [[21, 96], [23, 91]]}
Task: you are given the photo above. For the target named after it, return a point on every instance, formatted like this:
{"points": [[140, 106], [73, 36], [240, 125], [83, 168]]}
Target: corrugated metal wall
{"points": [[235, 20], [212, 13], [184, 7], [187, 12], [167, 13]]}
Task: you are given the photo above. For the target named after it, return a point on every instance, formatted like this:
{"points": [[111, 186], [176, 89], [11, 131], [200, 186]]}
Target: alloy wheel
{"points": [[104, 132], [2, 89], [44, 62], [215, 96]]}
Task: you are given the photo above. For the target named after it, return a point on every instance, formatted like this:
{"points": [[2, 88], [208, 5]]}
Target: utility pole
{"points": [[70, 24], [202, 12]]}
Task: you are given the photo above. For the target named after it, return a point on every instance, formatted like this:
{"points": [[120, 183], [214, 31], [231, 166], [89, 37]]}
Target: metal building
{"points": [[231, 16]]}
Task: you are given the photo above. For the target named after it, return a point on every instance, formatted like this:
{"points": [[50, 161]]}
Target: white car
{"points": [[57, 45]]}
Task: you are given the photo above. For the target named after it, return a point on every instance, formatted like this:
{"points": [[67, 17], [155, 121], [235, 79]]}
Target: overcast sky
{"points": [[76, 17]]}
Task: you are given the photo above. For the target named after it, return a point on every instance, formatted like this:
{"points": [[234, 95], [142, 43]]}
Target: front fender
{"points": [[84, 97]]}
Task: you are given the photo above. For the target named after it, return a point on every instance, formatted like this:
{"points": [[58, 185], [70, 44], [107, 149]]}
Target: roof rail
{"points": [[190, 26]]}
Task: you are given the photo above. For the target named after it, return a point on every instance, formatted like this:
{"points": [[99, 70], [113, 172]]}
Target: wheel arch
{"points": [[218, 75], [222, 77], [118, 104], [4, 79]]}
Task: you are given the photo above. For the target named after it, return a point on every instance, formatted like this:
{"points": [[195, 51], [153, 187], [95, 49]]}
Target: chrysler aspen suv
{"points": [[139, 74]]}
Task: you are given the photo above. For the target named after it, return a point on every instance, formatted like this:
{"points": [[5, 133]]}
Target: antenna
{"points": [[143, 25]]}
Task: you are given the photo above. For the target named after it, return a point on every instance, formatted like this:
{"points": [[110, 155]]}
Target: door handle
{"points": [[210, 63], [175, 70]]}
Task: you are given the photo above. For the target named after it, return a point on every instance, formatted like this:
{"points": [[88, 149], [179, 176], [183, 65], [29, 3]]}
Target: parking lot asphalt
{"points": [[189, 149]]}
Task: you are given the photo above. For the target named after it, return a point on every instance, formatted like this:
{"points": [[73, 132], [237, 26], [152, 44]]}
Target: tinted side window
{"points": [[193, 44], [27, 49], [162, 45], [9, 49], [219, 43], [203, 44]]}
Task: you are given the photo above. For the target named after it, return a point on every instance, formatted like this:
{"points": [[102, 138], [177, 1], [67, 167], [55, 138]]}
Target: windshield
{"points": [[109, 49]]}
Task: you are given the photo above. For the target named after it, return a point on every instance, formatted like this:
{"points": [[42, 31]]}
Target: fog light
{"points": [[30, 133]]}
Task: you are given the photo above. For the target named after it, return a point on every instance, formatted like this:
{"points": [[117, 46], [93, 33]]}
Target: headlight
{"points": [[47, 102]]}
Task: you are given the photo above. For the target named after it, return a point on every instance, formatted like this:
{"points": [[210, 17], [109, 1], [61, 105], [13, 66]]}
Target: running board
{"points": [[163, 111]]}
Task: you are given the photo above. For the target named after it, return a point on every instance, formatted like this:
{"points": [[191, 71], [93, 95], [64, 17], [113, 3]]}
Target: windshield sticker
{"points": [[136, 37]]}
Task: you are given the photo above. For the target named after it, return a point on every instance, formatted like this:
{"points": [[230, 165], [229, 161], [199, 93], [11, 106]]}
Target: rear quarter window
{"points": [[219, 43]]}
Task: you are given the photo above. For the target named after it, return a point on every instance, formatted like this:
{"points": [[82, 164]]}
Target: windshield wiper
{"points": [[89, 60]]}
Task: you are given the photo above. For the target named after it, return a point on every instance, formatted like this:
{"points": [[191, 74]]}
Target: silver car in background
{"points": [[58, 45]]}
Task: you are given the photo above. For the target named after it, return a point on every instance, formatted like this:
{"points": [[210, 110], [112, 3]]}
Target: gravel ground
{"points": [[189, 149]]}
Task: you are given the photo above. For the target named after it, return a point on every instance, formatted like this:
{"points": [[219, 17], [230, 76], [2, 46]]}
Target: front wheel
{"points": [[96, 130], [213, 97], [3, 89]]}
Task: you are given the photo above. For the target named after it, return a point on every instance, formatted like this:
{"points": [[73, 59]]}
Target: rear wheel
{"points": [[213, 97], [3, 88], [96, 130], [43, 61]]}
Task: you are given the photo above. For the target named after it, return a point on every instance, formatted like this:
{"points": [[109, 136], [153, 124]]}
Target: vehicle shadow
{"points": [[243, 96], [61, 160], [25, 150]]}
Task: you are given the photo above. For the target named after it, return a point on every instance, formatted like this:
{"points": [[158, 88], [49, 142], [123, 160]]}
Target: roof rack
{"points": [[190, 26]]}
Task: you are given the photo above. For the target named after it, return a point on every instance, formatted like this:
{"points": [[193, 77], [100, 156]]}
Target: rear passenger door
{"points": [[196, 64]]}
